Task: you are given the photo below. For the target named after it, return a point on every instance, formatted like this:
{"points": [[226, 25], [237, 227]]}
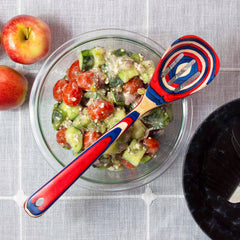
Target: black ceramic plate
{"points": [[211, 151]]}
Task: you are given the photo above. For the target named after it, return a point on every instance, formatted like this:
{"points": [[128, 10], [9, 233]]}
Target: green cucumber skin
{"points": [[115, 82], [86, 60], [75, 139], [121, 52], [81, 121], [126, 75], [145, 159], [58, 117], [137, 57], [118, 115], [118, 97], [71, 112], [139, 129], [91, 58], [134, 153]]}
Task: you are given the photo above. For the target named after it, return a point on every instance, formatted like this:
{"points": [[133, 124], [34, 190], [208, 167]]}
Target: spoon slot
{"points": [[172, 65], [184, 84], [182, 70]]}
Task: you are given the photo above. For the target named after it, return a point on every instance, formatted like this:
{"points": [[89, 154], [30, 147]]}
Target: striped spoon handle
{"points": [[42, 199]]}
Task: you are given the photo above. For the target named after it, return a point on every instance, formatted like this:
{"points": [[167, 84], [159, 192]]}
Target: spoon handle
{"points": [[42, 199]]}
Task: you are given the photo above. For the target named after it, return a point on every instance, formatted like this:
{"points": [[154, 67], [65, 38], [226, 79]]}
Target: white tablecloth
{"points": [[157, 211]]}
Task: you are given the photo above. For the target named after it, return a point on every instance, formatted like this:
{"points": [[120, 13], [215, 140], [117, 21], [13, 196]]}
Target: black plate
{"points": [[218, 218]]}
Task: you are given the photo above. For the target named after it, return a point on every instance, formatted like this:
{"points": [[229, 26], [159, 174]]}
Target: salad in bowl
{"points": [[84, 88], [98, 90]]}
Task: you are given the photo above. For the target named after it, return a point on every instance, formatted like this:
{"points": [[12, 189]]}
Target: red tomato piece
{"points": [[127, 164], [89, 138], [88, 81], [132, 85], [58, 89], [74, 71], [152, 145], [100, 109], [72, 94], [61, 138]]}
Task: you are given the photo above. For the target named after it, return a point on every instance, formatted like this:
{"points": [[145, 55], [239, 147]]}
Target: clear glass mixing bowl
{"points": [[41, 105]]}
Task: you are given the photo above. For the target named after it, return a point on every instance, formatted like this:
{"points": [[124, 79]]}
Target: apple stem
{"points": [[27, 33]]}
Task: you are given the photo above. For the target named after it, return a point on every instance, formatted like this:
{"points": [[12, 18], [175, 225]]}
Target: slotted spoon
{"points": [[186, 67]]}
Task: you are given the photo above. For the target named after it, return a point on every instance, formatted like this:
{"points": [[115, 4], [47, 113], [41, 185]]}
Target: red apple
{"points": [[26, 39], [13, 88]]}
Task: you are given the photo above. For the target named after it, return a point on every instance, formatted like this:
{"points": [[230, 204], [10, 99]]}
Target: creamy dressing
{"points": [[115, 64]]}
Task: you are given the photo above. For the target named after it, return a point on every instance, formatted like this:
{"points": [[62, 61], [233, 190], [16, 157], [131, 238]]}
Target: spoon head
{"points": [[187, 66]]}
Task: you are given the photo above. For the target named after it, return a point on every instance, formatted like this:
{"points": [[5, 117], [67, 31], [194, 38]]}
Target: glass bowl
{"points": [[41, 105]]}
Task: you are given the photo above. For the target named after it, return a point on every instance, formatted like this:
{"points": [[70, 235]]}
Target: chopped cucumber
{"points": [[126, 136], [126, 75], [117, 97], [103, 162], [134, 152], [116, 148], [58, 117], [104, 68], [137, 57], [139, 129], [118, 115], [120, 52], [91, 58], [99, 126], [82, 120], [158, 118], [75, 138], [146, 76], [115, 82], [71, 112], [98, 54], [90, 94], [86, 60], [145, 159], [113, 149], [148, 64], [100, 94]]}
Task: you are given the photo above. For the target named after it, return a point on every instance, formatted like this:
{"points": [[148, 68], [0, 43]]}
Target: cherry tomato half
{"points": [[74, 71], [88, 81], [89, 138], [72, 94], [61, 138], [127, 164], [132, 85], [152, 145], [100, 109], [58, 89]]}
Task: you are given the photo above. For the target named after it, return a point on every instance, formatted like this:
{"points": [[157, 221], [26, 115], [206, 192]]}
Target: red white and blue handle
{"points": [[161, 90], [41, 200]]}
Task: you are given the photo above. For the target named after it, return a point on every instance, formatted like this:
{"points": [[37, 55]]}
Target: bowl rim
{"points": [[47, 66]]}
